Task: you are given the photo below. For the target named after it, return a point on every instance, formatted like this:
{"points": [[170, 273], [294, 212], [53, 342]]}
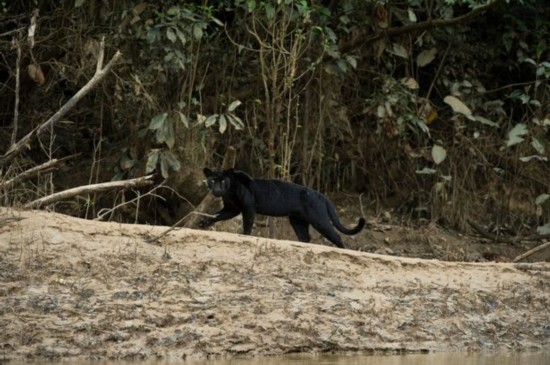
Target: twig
{"points": [[105, 211], [430, 23], [504, 239], [37, 170], [88, 189], [17, 88], [16, 148], [156, 238], [178, 223], [7, 220], [11, 32], [438, 72], [530, 252]]}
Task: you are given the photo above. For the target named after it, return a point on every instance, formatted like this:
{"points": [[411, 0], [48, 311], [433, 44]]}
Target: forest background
{"points": [[436, 110]]}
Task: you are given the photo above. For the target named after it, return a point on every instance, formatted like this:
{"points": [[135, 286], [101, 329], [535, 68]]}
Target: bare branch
{"points": [[156, 238], [100, 56], [430, 23], [37, 170], [106, 211], [90, 189], [15, 149], [530, 252], [12, 31], [17, 88]]}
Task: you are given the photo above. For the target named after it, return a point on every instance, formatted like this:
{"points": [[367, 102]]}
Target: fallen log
{"points": [[90, 189]]}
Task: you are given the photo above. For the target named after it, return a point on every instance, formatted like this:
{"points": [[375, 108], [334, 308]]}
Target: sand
{"points": [[74, 288]]}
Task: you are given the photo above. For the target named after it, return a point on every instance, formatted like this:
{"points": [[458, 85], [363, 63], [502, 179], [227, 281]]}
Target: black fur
{"points": [[243, 194]]}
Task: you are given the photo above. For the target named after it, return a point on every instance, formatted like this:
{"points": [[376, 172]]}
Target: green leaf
{"points": [[524, 98], [217, 21], [173, 11], [419, 122], [172, 160], [269, 11], [485, 121], [181, 37], [399, 50], [352, 60], [426, 171], [342, 65], [169, 135], [159, 135], [541, 199], [200, 118], [183, 119], [515, 135], [126, 162], [438, 154], [410, 83], [152, 161], [412, 16], [251, 5], [168, 57], [458, 106], [143, 132], [164, 166], [426, 57], [235, 121], [223, 123], [171, 35], [537, 145], [157, 121], [536, 157], [234, 105], [78, 3], [152, 36], [211, 120], [544, 229], [197, 31]]}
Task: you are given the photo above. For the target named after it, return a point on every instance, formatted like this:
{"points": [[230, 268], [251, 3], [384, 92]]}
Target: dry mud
{"points": [[72, 288]]}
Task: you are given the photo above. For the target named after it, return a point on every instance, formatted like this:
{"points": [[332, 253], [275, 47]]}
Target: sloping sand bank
{"points": [[76, 288]]}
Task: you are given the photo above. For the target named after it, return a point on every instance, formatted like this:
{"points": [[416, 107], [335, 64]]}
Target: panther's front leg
{"points": [[227, 212]]}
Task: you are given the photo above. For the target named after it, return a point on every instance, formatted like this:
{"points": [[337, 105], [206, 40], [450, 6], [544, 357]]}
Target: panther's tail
{"points": [[334, 218]]}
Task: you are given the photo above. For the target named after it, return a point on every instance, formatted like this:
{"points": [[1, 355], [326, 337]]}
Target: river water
{"points": [[511, 358]]}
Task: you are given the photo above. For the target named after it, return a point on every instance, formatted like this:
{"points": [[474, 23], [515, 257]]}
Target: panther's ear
{"points": [[207, 172], [230, 172]]}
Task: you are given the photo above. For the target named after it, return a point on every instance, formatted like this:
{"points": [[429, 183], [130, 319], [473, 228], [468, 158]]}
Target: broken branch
{"points": [[37, 170], [392, 32], [533, 251], [90, 189], [15, 149]]}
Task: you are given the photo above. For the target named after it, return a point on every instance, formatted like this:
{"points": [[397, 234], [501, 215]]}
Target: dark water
{"points": [[512, 358]]}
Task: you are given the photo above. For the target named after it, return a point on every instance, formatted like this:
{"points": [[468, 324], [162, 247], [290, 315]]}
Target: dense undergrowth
{"points": [[436, 109]]}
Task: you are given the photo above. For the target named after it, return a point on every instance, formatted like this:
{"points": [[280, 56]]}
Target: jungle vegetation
{"points": [[438, 109]]}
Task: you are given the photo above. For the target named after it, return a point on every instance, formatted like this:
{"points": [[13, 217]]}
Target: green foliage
{"points": [[166, 159], [223, 119], [169, 34], [3, 7], [342, 94]]}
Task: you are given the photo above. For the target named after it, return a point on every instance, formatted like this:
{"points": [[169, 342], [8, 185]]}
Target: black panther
{"points": [[244, 194]]}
